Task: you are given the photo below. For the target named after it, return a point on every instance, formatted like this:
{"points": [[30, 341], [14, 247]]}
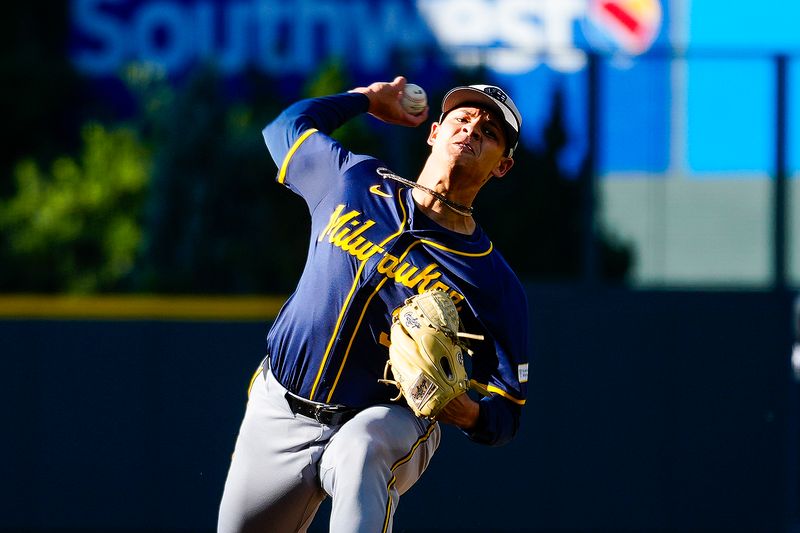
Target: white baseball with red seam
{"points": [[414, 99]]}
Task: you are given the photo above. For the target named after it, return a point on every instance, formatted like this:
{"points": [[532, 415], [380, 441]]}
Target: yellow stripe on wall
{"points": [[140, 307]]}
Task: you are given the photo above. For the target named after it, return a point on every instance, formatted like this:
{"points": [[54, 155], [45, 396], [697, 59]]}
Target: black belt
{"points": [[330, 415]]}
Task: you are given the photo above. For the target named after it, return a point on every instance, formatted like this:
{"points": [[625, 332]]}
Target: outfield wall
{"points": [[648, 411]]}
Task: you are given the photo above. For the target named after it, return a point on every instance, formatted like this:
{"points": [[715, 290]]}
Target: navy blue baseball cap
{"points": [[494, 98]]}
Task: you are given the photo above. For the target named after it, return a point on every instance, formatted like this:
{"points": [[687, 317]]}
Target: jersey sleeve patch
{"points": [[522, 373]]}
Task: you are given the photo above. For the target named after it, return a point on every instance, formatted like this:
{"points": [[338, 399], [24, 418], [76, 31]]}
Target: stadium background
{"points": [[144, 251]]}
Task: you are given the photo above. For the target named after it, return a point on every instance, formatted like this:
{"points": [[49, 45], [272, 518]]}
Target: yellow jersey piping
{"points": [[499, 391], [377, 289], [397, 465], [466, 254], [347, 302], [253, 379], [292, 150], [360, 319]]}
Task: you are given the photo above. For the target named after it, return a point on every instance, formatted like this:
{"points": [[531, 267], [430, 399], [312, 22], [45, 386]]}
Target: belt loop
{"points": [[329, 415]]}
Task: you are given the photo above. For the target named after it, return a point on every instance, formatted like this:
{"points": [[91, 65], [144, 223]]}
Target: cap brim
{"points": [[461, 95]]}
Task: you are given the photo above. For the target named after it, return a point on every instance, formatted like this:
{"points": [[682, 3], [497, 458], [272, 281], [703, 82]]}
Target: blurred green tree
{"points": [[76, 227], [332, 78], [211, 225], [216, 221], [205, 214], [44, 100]]}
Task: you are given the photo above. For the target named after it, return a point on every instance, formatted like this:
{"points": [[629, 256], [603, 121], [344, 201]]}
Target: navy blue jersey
{"points": [[370, 249]]}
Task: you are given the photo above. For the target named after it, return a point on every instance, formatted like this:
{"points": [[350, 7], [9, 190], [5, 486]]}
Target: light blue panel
{"points": [[766, 24], [793, 125], [730, 115]]}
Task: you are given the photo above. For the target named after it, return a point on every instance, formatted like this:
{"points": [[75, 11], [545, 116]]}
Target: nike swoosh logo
{"points": [[376, 189]]}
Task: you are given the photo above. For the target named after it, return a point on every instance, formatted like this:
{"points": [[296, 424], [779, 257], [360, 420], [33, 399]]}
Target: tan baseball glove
{"points": [[426, 355]]}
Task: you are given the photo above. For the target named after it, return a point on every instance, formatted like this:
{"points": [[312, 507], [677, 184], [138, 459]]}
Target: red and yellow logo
{"points": [[627, 26]]}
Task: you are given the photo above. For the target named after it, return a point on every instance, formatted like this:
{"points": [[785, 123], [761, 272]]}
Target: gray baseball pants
{"points": [[284, 465]]}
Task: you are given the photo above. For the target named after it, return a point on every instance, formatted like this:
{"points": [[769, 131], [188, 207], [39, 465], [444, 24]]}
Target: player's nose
{"points": [[471, 129]]}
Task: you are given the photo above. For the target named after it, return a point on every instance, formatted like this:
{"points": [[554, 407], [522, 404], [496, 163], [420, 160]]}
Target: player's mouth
{"points": [[466, 146]]}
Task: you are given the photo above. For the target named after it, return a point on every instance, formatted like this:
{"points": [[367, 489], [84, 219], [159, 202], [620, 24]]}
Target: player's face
{"points": [[475, 137]]}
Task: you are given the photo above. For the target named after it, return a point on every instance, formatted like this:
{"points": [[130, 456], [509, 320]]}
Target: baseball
{"points": [[414, 99]]}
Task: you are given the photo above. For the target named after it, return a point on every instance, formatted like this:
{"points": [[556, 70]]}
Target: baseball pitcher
{"points": [[405, 317]]}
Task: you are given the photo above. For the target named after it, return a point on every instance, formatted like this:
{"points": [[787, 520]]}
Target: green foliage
{"points": [[215, 220], [355, 134], [76, 227], [178, 194]]}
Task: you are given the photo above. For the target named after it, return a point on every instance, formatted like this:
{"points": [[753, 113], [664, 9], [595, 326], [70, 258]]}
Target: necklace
{"points": [[461, 209]]}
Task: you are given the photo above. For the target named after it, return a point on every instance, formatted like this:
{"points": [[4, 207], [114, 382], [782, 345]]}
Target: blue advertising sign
{"points": [[654, 117]]}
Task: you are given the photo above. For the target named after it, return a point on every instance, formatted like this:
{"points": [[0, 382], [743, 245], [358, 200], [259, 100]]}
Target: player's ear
{"points": [[502, 167], [434, 131]]}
